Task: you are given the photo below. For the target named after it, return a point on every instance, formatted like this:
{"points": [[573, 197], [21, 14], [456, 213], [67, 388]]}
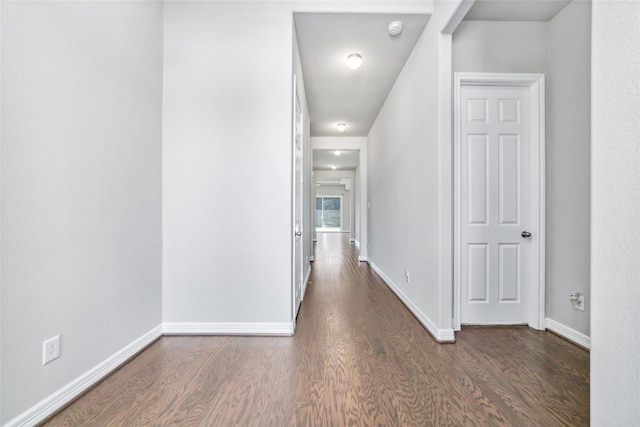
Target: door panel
{"points": [[509, 164], [509, 272], [478, 191], [494, 186], [478, 257]]}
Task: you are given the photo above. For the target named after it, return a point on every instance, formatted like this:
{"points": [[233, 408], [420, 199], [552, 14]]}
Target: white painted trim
{"points": [[536, 85], [440, 335], [229, 328], [363, 259], [338, 142], [351, 240], [295, 104], [445, 182], [75, 388], [568, 333], [357, 243], [312, 258], [306, 282]]}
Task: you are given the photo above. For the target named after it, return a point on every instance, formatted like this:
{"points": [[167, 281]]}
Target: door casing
{"points": [[535, 83], [297, 214]]}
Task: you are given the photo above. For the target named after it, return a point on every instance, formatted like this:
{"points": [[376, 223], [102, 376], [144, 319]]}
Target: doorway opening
{"points": [[329, 214], [337, 192], [499, 225]]}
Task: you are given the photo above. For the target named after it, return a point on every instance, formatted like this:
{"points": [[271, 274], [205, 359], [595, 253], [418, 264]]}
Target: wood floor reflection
{"points": [[358, 358]]}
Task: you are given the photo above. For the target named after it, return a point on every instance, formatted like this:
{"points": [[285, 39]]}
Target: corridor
{"points": [[358, 358]]}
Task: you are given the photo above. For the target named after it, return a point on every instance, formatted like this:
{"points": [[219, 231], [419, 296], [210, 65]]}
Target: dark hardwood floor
{"points": [[359, 358]]}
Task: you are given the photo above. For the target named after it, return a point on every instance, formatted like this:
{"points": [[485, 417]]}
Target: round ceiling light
{"points": [[395, 28], [354, 61], [337, 153], [334, 167], [341, 127]]}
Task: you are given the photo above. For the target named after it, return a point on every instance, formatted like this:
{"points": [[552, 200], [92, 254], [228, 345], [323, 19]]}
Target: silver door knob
{"points": [[526, 234], [298, 233]]}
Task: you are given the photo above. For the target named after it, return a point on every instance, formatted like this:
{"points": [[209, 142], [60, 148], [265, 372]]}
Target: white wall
{"points": [[508, 47], [81, 174], [407, 146], [615, 217], [403, 178], [561, 50], [227, 107], [568, 95]]}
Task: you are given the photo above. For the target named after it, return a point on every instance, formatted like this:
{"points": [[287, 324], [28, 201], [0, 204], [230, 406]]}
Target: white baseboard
{"points": [[312, 258], [75, 388], [352, 240], [440, 335], [228, 328], [357, 244], [568, 333], [363, 259], [306, 281]]}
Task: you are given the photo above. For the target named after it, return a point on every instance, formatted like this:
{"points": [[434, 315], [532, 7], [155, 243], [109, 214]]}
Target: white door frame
{"points": [[535, 83], [297, 203]]}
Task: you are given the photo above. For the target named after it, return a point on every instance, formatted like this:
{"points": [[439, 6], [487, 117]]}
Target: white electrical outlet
{"points": [[577, 299], [406, 274], [50, 349]]}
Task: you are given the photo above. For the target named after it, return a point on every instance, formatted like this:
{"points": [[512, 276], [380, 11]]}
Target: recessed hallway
{"points": [[358, 358]]}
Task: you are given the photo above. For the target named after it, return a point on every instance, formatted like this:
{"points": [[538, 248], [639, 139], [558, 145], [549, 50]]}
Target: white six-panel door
{"points": [[495, 258]]}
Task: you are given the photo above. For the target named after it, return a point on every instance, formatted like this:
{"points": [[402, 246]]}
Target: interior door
{"points": [[495, 218], [297, 203]]}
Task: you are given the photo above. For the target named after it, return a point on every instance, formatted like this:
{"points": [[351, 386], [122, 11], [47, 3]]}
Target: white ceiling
{"points": [[336, 93], [346, 160], [515, 10]]}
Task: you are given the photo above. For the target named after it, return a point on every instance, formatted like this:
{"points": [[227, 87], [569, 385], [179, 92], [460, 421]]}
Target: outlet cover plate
{"points": [[50, 349], [580, 303]]}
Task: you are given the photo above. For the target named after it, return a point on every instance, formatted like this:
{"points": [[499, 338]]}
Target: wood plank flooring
{"points": [[359, 358]]}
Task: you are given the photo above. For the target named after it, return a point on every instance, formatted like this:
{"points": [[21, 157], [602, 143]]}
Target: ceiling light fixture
{"points": [[354, 61], [334, 167], [341, 127], [337, 153]]}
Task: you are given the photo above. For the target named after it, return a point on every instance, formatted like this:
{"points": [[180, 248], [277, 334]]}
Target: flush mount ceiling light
{"points": [[395, 28], [341, 127], [354, 61], [337, 153], [334, 167]]}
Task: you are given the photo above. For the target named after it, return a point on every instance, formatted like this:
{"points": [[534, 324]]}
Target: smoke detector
{"points": [[395, 28]]}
